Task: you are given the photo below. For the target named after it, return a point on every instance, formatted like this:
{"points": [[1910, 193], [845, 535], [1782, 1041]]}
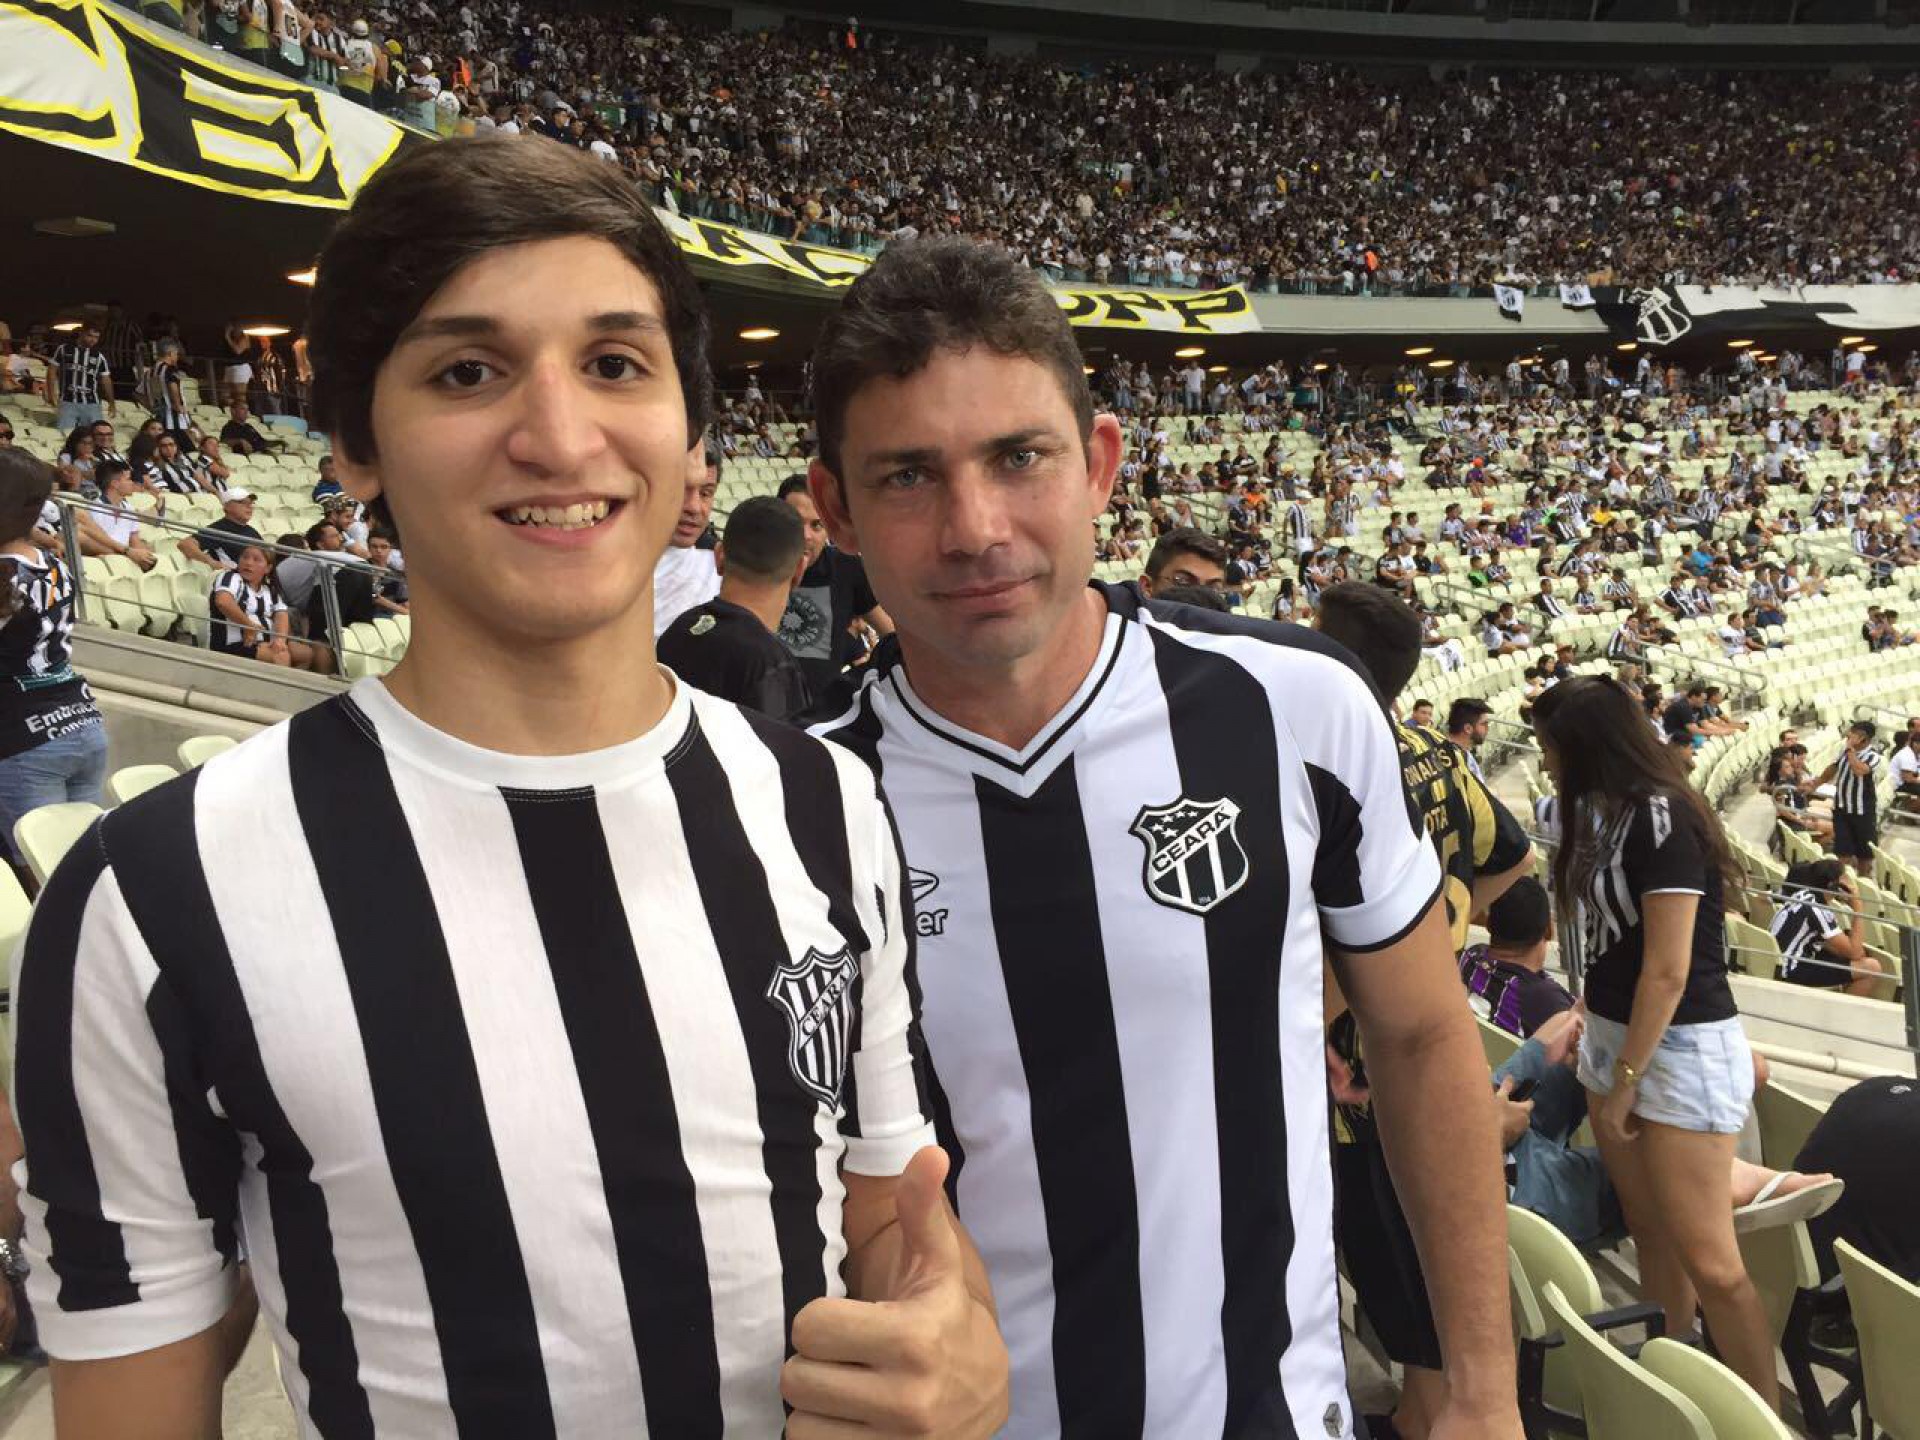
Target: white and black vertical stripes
{"points": [[81, 371], [495, 1085], [1801, 928], [1856, 794]]}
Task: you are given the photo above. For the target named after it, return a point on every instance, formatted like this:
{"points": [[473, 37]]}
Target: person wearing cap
{"points": [[343, 512], [362, 65], [419, 93], [220, 544]]}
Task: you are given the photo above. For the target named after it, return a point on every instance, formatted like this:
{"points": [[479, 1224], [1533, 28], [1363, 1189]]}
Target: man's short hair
{"points": [[1378, 627], [107, 469], [938, 293], [792, 485], [1864, 728], [715, 457], [1466, 711], [313, 530], [763, 539], [1184, 540], [425, 215], [1522, 917]]}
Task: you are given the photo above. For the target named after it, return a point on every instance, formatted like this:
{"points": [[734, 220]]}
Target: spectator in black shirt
{"points": [[1870, 1138], [1666, 1065], [727, 646], [831, 595], [240, 434], [220, 544]]}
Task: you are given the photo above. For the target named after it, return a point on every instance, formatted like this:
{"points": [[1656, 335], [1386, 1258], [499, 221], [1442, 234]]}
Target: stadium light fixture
{"points": [[1087, 368], [1628, 345], [760, 332], [1415, 352], [1216, 369], [1189, 352], [1318, 366], [1851, 339], [1868, 349], [304, 277], [1440, 364], [65, 326], [266, 332], [1738, 344]]}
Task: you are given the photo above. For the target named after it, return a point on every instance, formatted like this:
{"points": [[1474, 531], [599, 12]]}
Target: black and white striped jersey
{"points": [[1856, 794], [171, 416], [527, 1082], [1801, 928], [1120, 948], [41, 698], [80, 372], [259, 603], [178, 476]]}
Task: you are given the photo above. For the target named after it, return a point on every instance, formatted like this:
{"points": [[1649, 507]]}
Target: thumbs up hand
{"points": [[922, 1358]]}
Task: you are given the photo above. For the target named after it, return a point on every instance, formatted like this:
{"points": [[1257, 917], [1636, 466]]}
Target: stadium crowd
{"points": [[1165, 174]]}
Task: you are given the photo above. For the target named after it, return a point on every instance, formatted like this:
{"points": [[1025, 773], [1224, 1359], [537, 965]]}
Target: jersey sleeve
{"points": [[1663, 854], [1499, 843], [1374, 872], [887, 1109], [130, 1182]]}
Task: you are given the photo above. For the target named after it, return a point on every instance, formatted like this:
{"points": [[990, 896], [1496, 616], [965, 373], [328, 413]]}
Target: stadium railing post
{"points": [[1910, 982], [70, 542]]}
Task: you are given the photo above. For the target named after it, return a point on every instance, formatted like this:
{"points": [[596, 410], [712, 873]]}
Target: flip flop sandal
{"points": [[1768, 1209]]}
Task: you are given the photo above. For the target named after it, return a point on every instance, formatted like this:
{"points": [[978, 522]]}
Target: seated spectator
{"points": [[1870, 1139], [1905, 769], [295, 576], [727, 646], [111, 526], [239, 433], [344, 513], [1184, 557], [1507, 975], [248, 618], [326, 485], [212, 465], [219, 545], [1815, 948], [170, 472], [390, 586]]}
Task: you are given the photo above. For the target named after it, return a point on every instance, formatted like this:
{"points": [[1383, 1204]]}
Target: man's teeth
{"points": [[563, 517]]}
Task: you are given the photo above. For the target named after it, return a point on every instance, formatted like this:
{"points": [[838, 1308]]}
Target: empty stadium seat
{"points": [[46, 834], [135, 780], [196, 750], [1886, 1316], [1619, 1399], [1733, 1411]]}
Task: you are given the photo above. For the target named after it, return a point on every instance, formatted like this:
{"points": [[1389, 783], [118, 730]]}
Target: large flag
{"points": [[1511, 299], [1576, 297]]}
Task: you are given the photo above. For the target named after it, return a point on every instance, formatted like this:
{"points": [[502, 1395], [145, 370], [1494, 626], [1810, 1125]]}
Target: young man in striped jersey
{"points": [[1127, 822], [1855, 777], [546, 1029]]}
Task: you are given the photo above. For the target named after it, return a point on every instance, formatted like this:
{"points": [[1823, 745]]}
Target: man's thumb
{"points": [[920, 1202]]}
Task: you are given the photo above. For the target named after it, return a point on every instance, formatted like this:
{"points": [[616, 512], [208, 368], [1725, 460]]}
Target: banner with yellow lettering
{"points": [[92, 77]]}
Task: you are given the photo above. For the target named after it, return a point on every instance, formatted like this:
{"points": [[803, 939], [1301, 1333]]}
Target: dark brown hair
{"points": [[426, 214], [26, 482], [941, 293], [1185, 540], [1378, 627], [1610, 759]]}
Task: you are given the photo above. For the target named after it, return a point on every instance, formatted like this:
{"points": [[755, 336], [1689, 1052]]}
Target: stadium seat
{"points": [[134, 780], [196, 750], [1538, 1255], [15, 910], [1886, 1316], [1733, 1411], [1786, 1120], [46, 834], [1619, 1399]]}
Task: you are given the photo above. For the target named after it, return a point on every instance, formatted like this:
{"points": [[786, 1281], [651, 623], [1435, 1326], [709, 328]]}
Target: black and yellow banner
{"points": [[92, 77]]}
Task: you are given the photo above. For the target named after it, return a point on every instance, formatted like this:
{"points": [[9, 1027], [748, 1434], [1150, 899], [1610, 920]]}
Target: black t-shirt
{"points": [[240, 432], [1679, 714], [723, 649], [1655, 846], [1870, 1138], [225, 539], [832, 592]]}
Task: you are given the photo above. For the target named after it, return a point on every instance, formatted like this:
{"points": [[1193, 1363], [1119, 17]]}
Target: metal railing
{"points": [[336, 635]]}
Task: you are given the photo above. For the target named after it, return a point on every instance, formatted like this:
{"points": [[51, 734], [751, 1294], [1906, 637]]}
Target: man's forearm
{"points": [[1443, 1148]]}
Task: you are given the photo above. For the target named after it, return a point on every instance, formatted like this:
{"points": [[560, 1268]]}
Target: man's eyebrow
{"points": [[994, 445], [473, 326]]}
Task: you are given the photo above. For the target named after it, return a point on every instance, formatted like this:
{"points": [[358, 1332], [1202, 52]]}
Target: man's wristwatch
{"points": [[13, 1265], [1625, 1074]]}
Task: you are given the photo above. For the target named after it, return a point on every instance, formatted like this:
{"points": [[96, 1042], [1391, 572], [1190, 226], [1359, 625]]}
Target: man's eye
{"points": [[465, 374], [1022, 459], [908, 479], [616, 367]]}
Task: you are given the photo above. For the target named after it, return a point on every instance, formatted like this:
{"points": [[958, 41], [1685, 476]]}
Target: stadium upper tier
{"points": [[1177, 175]]}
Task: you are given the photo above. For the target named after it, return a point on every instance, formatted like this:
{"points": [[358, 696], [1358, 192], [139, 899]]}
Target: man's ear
{"points": [[830, 499], [1104, 446], [720, 559], [359, 479], [799, 573]]}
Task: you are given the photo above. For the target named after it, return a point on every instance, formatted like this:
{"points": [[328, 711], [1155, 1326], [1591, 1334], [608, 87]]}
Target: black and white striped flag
{"points": [[1511, 299], [1576, 297]]}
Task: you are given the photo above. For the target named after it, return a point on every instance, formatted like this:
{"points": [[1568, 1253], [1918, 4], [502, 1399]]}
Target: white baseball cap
{"points": [[238, 492]]}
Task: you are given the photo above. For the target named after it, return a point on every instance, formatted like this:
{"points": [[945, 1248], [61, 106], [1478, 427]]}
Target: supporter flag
{"points": [[1576, 297], [1511, 299]]}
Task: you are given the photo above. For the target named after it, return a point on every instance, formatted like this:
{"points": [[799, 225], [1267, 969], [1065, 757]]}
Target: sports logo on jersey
{"points": [[815, 994], [1194, 858], [926, 921]]}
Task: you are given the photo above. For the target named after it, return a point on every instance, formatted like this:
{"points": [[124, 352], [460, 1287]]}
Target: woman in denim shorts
{"points": [[1666, 1065]]}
